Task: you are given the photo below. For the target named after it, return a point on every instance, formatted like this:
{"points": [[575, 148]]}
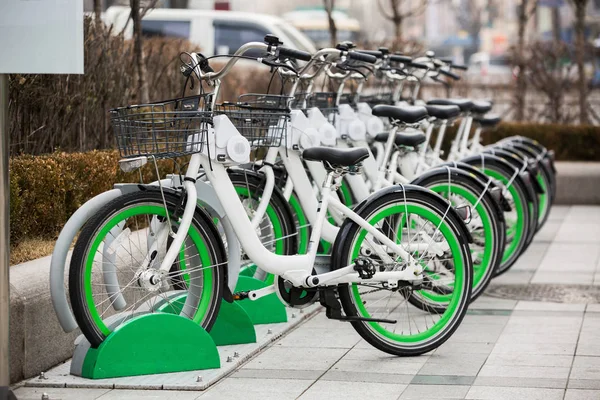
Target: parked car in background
{"points": [[484, 68], [314, 23], [216, 32]]}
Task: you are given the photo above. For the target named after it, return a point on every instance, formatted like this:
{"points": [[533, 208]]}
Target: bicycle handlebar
{"points": [[295, 54], [400, 59], [374, 53], [450, 74], [361, 56]]}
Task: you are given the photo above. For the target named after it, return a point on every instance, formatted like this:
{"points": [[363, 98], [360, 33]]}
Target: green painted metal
{"points": [[152, 344], [266, 310], [233, 326]]}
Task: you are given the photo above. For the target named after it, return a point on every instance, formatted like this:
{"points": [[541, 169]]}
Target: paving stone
{"points": [[559, 212], [366, 376], [328, 390], [465, 368], [580, 257], [584, 384], [373, 354], [580, 232], [31, 393], [386, 366], [581, 394], [578, 213], [508, 371], [304, 358], [465, 348], [548, 232], [593, 308], [585, 367], [530, 260], [513, 393], [547, 306], [534, 348], [276, 374], [149, 395], [251, 389], [516, 359], [515, 277], [486, 302], [578, 278], [520, 382], [420, 392], [341, 337], [442, 380], [538, 338]]}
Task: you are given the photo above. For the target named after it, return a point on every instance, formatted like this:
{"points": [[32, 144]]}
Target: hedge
{"points": [[46, 190]]}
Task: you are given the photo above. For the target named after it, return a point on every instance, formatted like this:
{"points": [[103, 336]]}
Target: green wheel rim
{"points": [[543, 199], [277, 230], [131, 212], [303, 224], [479, 271], [515, 229], [459, 278]]}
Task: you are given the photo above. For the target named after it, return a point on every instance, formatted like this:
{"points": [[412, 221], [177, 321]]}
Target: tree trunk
{"points": [[397, 32], [580, 7], [179, 3], [138, 53], [556, 24], [329, 5], [521, 89], [97, 11]]}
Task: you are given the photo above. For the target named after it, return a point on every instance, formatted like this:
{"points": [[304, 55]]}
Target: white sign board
{"points": [[41, 36]]}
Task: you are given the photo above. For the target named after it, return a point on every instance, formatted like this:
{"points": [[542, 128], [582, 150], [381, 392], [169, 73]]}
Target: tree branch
{"points": [[383, 11]]}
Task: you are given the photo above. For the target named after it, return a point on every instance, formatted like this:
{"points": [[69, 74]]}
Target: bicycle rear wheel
{"points": [[416, 321]]}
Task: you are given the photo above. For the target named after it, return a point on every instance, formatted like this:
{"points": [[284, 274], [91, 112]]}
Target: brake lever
{"points": [[275, 64]]}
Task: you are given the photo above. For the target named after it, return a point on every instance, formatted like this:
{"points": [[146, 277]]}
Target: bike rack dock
{"points": [[231, 357]]}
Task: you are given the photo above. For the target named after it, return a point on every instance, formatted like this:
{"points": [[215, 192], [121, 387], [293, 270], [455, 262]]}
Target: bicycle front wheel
{"points": [[114, 273]]}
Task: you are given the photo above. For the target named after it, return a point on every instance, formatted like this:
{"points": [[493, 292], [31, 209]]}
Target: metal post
{"points": [[5, 392]]}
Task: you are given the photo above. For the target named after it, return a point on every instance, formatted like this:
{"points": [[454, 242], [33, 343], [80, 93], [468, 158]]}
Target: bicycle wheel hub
{"points": [[152, 279]]}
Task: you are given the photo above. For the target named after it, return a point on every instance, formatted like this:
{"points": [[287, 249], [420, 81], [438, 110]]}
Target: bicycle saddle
{"points": [[463, 104], [481, 107], [443, 112], [488, 122], [341, 157], [406, 114], [403, 138]]}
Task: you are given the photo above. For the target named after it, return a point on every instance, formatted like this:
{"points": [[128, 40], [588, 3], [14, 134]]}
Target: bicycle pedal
{"points": [[240, 296]]}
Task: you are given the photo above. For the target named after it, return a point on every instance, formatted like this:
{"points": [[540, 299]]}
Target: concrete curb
{"points": [[578, 183], [37, 342]]}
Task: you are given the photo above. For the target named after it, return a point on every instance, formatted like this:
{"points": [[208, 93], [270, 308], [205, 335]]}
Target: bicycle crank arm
{"points": [[363, 319]]}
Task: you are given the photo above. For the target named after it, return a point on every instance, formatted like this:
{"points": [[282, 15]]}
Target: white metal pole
{"points": [[5, 392]]}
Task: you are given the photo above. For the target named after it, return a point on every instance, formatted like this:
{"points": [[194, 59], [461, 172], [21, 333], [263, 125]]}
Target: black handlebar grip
{"points": [[374, 53], [446, 60], [450, 74], [419, 65], [362, 57], [400, 59], [296, 54], [459, 66]]}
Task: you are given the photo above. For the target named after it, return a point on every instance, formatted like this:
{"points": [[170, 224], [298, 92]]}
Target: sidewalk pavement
{"points": [[504, 349]]}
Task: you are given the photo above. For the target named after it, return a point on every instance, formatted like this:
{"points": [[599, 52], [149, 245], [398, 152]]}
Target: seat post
{"points": [[440, 138], [476, 138]]}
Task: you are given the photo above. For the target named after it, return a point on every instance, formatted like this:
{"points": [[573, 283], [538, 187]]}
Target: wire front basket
{"points": [[380, 98], [259, 118], [165, 129]]}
